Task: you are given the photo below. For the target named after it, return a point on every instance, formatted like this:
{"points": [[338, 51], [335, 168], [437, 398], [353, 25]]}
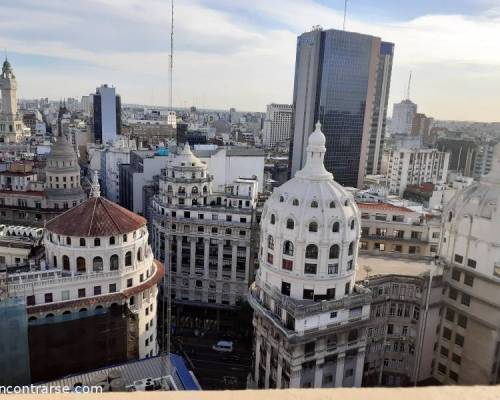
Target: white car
{"points": [[223, 345]]}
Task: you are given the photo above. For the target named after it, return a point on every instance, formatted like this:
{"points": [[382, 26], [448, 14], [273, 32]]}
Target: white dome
{"points": [[471, 221], [310, 230]]}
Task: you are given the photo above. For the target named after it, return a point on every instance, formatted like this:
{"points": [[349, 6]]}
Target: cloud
{"points": [[230, 54]]}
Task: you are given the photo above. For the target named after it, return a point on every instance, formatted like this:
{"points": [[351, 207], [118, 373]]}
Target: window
{"points": [[459, 340], [469, 280], [48, 297], [285, 288], [289, 223], [459, 259], [80, 265], [447, 333], [456, 358], [288, 248], [270, 242], [465, 299], [462, 321], [97, 264], [442, 368], [124, 238], [330, 294], [444, 351], [455, 274], [97, 290], [309, 348], [352, 225], [471, 263], [332, 204], [295, 202], [453, 293], [334, 251], [112, 240], [453, 375], [82, 242], [113, 262], [308, 294], [333, 269], [450, 315], [282, 199], [128, 259], [112, 287], [97, 242], [333, 314], [81, 293], [270, 258], [287, 265], [351, 249], [347, 288], [129, 282], [139, 254], [30, 300], [314, 204], [273, 219], [336, 227], [310, 268], [65, 261], [312, 251], [313, 226], [68, 240], [228, 231]]}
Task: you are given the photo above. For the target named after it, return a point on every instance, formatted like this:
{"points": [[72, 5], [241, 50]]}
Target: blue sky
{"points": [[240, 53]]}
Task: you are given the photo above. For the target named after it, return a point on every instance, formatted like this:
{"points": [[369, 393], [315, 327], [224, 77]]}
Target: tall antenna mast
{"points": [[345, 13], [171, 64], [409, 87]]}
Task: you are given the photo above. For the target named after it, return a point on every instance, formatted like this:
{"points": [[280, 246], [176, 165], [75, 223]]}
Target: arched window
{"points": [[332, 204], [80, 265], [139, 254], [313, 226], [82, 242], [112, 240], [288, 248], [182, 190], [65, 261], [68, 240], [312, 251], [204, 189], [270, 242], [228, 231], [282, 199], [289, 223], [113, 262], [97, 264], [273, 219], [352, 225], [314, 204], [55, 261], [351, 248], [334, 251], [97, 242], [450, 216], [336, 226], [295, 202], [128, 259], [169, 189], [194, 190]]}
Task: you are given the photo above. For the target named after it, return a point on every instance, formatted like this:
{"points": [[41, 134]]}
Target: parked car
{"points": [[223, 345]]}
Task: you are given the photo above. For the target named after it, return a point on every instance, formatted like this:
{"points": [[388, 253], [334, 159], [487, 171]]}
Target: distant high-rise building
{"points": [[277, 124], [107, 114], [342, 79], [421, 126], [402, 117]]}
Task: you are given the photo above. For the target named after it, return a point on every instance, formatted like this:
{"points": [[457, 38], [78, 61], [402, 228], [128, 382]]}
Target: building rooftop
{"points": [[154, 367], [96, 216], [370, 266], [383, 207]]}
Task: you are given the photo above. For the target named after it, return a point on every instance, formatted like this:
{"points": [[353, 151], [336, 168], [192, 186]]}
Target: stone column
{"points": [[339, 373], [360, 360], [318, 373]]}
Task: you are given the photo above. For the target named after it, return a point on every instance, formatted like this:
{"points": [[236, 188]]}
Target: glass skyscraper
{"points": [[342, 79]]}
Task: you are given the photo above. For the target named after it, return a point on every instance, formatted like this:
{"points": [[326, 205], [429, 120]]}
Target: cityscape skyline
{"points": [[225, 42]]}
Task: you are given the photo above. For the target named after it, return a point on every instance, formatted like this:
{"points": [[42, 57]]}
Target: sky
{"points": [[241, 53]]}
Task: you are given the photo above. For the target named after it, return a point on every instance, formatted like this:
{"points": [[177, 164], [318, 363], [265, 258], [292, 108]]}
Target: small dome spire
{"points": [[317, 138], [315, 167], [95, 188]]}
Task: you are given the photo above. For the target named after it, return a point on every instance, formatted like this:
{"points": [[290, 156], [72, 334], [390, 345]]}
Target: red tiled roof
{"points": [[382, 207], [96, 216]]}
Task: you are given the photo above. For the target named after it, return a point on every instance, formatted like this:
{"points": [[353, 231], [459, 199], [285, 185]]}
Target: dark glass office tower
{"points": [[342, 79]]}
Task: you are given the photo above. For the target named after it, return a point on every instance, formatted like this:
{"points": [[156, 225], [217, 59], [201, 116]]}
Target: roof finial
{"points": [[95, 188]]}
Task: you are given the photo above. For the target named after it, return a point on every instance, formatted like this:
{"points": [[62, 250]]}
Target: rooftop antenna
{"points": [[171, 58], [409, 87], [345, 13]]}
